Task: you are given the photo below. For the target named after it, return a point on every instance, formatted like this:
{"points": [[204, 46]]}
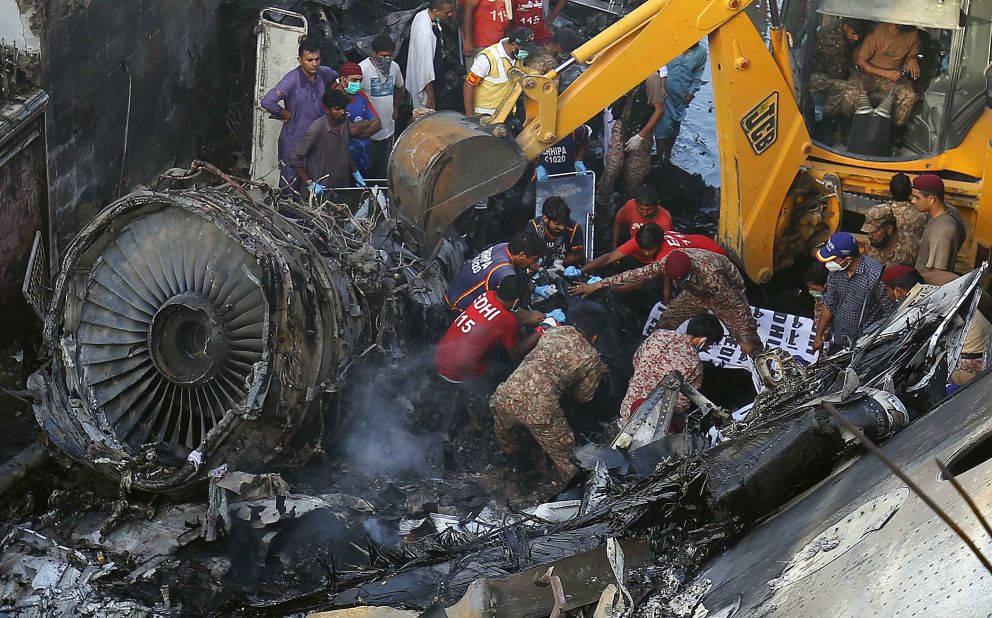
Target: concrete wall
{"points": [[16, 27], [169, 54]]}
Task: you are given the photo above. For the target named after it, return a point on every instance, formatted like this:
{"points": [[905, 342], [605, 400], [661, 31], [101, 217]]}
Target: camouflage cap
{"points": [[878, 216]]}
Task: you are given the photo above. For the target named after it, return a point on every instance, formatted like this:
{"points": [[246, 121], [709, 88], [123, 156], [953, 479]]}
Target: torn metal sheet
{"points": [[611, 604], [279, 33], [254, 486], [841, 536], [555, 512], [40, 578], [582, 577], [262, 513]]}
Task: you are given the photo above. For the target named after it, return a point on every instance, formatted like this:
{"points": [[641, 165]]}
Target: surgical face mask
{"points": [[835, 266], [353, 87], [815, 294], [522, 54]]}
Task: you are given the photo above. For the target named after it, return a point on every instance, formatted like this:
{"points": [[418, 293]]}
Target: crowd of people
{"points": [[357, 105], [492, 329], [912, 246], [339, 127]]}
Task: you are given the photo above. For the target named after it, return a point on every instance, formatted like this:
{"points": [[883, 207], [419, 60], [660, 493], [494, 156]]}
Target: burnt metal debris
{"points": [[201, 325], [237, 314], [695, 500]]}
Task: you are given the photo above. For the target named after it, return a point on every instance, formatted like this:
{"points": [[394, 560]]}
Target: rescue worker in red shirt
{"points": [[650, 245], [483, 23], [530, 14], [491, 321], [644, 208], [485, 271]]}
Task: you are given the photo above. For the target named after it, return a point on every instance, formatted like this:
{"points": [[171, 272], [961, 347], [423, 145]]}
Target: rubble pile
{"points": [[427, 527]]}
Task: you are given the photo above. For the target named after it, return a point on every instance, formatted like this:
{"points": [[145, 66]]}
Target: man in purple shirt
{"points": [[301, 91]]}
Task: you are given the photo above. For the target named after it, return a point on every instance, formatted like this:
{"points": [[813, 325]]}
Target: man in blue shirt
{"points": [[685, 76], [301, 92], [363, 120], [485, 271]]}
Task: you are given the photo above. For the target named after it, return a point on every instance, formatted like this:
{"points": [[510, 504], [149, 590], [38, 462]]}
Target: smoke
{"points": [[380, 435]]}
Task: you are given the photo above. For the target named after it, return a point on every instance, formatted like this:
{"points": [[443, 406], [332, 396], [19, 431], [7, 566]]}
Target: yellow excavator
{"points": [[783, 192]]}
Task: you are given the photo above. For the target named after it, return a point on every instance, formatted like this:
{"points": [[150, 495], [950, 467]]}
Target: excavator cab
{"points": [[945, 131], [918, 118]]}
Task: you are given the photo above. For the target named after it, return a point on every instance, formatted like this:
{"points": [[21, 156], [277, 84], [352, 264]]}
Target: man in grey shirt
{"points": [[321, 158], [945, 232]]}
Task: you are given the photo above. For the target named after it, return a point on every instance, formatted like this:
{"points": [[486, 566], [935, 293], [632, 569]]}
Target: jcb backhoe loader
{"points": [[783, 192]]}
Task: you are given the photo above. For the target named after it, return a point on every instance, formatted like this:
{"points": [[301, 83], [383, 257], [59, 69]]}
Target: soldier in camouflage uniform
{"points": [[832, 61], [885, 56], [886, 242], [909, 220], [665, 351], [564, 362], [709, 281], [629, 150]]}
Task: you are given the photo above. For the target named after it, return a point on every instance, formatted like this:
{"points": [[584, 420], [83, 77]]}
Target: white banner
{"points": [[792, 333]]}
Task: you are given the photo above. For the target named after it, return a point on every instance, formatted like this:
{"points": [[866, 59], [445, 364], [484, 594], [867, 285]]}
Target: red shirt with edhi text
{"points": [[463, 353], [673, 241]]}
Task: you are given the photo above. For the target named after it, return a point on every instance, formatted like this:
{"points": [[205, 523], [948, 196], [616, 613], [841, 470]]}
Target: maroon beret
{"points": [[677, 265], [931, 183], [895, 272]]}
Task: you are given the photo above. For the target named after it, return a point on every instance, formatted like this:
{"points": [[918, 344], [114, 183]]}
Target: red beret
{"points": [[930, 183], [677, 265], [895, 272], [350, 68]]}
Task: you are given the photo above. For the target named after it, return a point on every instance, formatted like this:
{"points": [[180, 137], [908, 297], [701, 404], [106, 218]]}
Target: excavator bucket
{"points": [[444, 163]]}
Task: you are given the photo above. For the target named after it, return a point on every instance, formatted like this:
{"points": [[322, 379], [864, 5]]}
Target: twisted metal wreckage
{"points": [[205, 326]]}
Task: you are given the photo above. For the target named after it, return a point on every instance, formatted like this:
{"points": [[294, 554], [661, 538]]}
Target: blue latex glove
{"points": [[573, 272], [544, 291], [557, 314], [541, 173], [358, 179], [580, 167], [316, 188], [594, 279]]}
